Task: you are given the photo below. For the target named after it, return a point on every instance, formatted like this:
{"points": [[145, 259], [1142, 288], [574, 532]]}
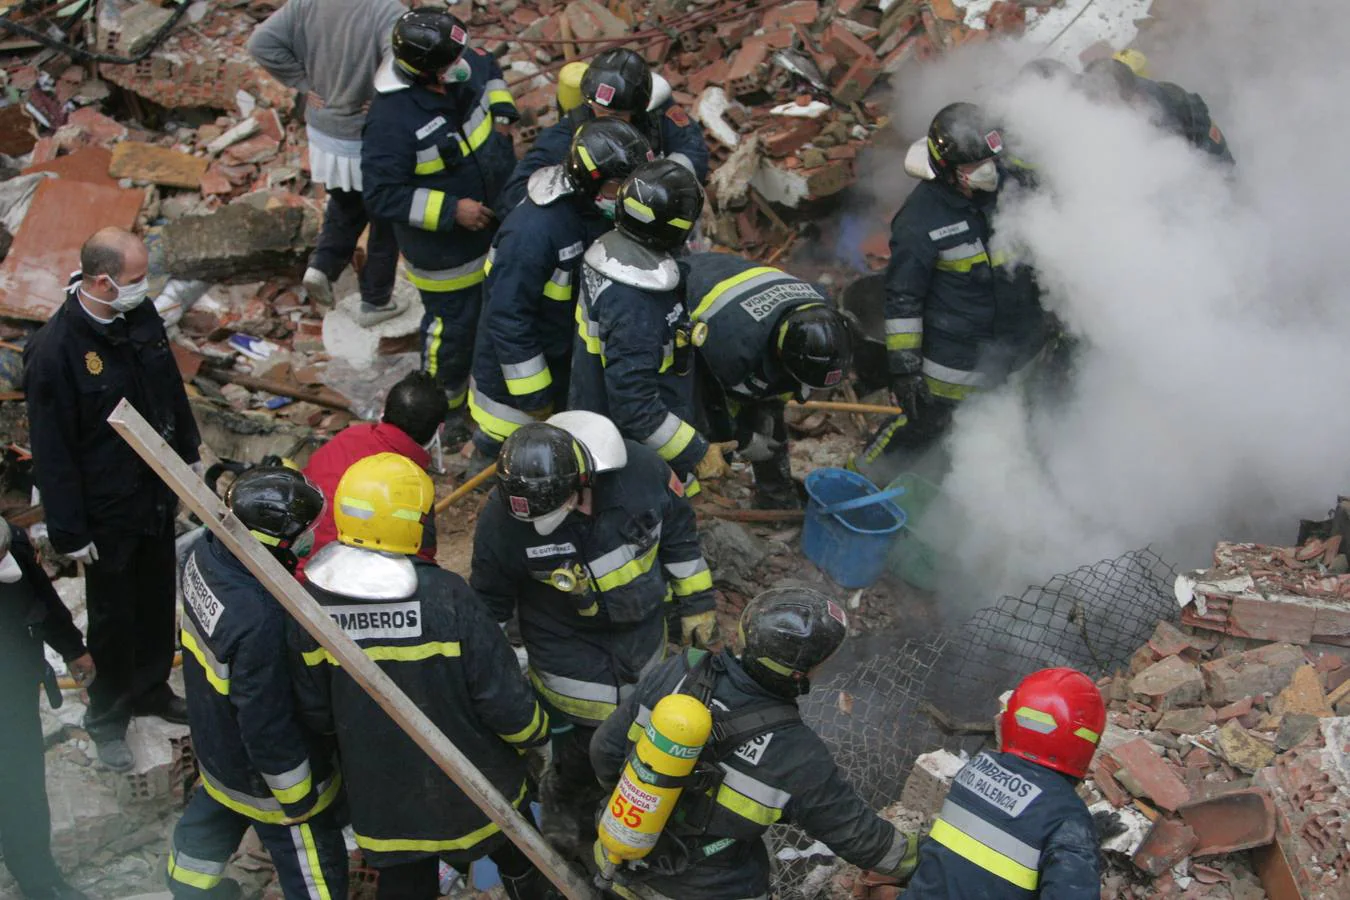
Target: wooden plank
{"points": [[235, 536], [155, 164]]}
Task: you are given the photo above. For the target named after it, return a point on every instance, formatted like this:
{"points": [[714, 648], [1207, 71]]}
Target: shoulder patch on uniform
{"points": [[571, 251], [677, 115], [426, 130], [676, 485], [999, 787], [1215, 134], [938, 234], [205, 605], [753, 750]]}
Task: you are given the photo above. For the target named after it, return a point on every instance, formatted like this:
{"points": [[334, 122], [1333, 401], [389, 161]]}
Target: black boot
{"points": [[774, 485], [530, 886]]}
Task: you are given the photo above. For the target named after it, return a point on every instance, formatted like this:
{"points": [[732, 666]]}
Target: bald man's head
{"points": [[112, 258], [110, 251]]}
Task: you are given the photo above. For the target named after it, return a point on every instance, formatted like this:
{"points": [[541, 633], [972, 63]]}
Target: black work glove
{"points": [[1108, 824], [907, 390]]}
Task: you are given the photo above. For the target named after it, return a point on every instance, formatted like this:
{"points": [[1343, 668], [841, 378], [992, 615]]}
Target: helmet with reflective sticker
{"points": [[815, 345], [659, 204], [785, 633], [426, 42], [618, 80], [961, 133], [1054, 718], [604, 150], [540, 467], [382, 503]]}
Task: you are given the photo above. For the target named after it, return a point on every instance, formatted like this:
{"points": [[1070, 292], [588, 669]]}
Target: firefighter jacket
{"points": [[743, 305], [523, 354], [634, 553], [422, 152], [31, 614], [626, 363], [1009, 829], [76, 370], [352, 444], [1185, 115], [714, 848], [667, 127], [255, 756], [963, 313], [451, 659]]}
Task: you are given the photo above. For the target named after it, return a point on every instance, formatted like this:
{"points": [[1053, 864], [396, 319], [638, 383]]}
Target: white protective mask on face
{"points": [[547, 524], [607, 206], [983, 177], [129, 296], [9, 569], [458, 73]]}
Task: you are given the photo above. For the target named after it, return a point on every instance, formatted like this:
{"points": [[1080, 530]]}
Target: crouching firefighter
{"points": [[428, 632], [523, 356], [762, 337], [634, 356], [589, 539], [432, 163], [762, 765], [1013, 825], [260, 767]]}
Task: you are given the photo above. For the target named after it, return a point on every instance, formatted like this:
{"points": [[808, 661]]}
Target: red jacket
{"points": [[331, 461]]}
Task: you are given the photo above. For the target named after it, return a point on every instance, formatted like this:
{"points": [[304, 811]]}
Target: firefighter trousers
{"points": [[449, 321], [310, 858]]}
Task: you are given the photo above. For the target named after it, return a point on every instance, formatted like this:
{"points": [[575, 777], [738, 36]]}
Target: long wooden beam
{"points": [[234, 535]]}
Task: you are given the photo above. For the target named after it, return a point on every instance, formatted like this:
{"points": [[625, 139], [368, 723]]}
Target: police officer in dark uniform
{"points": [[433, 157], [431, 635], [31, 614], [260, 767], [1013, 825], [617, 83], [767, 337], [523, 356], [764, 767], [589, 539], [104, 506], [633, 360], [959, 315], [1172, 107]]}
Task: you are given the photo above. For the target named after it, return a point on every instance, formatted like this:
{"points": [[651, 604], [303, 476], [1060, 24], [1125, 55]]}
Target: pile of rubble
{"points": [[1225, 764]]}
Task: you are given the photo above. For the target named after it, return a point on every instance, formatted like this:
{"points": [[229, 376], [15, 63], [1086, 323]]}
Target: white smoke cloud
{"points": [[1215, 305]]}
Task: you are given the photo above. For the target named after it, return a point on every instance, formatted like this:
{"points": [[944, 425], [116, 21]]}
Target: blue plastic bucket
{"points": [[849, 526]]}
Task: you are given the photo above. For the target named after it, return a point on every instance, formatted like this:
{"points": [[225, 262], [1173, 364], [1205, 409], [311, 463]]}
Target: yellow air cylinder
{"points": [[569, 86], [1137, 62], [640, 805]]}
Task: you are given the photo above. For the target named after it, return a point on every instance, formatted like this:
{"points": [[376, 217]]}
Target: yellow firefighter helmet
{"points": [[382, 502]]}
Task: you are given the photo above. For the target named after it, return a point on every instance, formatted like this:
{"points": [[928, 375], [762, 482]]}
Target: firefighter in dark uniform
{"points": [[765, 767], [260, 767], [523, 356], [434, 155], [633, 360], [768, 337], [1013, 825], [431, 635], [31, 614], [1171, 107], [104, 506], [960, 316], [617, 83], [589, 539]]}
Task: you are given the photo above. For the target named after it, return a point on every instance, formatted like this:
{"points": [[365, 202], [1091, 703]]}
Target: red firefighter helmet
{"points": [[1055, 719]]}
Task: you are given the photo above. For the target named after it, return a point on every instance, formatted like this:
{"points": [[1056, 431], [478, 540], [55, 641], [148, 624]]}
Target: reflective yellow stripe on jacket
{"points": [[984, 844], [411, 845]]}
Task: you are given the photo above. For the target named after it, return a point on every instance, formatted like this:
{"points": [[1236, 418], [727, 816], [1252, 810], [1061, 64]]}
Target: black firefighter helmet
{"points": [[604, 150], [277, 504], [815, 345], [618, 80], [961, 133], [659, 204], [539, 468], [785, 633], [426, 42]]}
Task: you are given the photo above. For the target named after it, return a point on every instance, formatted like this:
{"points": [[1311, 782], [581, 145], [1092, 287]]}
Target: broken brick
{"points": [[1186, 721], [800, 12], [256, 149], [1237, 820], [845, 46], [156, 165], [1303, 695], [1233, 710], [1169, 683], [1152, 774], [1168, 842], [1168, 640], [1265, 670], [1240, 749], [857, 80]]}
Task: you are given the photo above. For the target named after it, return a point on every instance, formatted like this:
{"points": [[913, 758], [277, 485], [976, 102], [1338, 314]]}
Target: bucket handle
{"points": [[860, 502]]}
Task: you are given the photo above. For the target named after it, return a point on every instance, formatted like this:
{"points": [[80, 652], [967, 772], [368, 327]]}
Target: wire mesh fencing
{"points": [[942, 691]]}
